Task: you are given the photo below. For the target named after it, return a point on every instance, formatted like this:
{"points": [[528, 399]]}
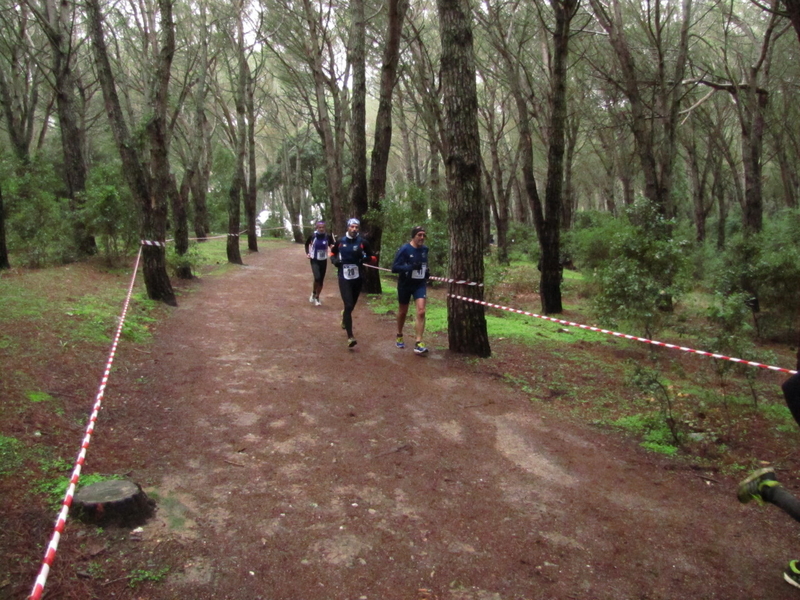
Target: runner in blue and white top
{"points": [[348, 254], [411, 263], [317, 246]]}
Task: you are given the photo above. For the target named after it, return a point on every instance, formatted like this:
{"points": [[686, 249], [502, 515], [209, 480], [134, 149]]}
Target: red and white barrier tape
{"points": [[625, 335], [191, 239], [456, 281], [61, 522]]}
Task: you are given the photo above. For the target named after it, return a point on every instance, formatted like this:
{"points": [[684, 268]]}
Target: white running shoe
{"points": [[317, 302], [311, 298]]}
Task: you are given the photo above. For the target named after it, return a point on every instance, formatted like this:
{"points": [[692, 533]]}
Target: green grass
{"points": [[11, 455], [652, 430], [75, 316]]}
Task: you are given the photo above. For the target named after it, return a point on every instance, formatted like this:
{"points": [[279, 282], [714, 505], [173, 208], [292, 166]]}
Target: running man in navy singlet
{"points": [[411, 263]]}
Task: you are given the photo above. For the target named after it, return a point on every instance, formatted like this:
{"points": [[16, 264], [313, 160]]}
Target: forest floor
{"points": [[286, 467]]}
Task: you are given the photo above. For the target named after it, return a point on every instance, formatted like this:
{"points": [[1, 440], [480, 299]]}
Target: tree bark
{"points": [[358, 115], [178, 201], [4, 264], [466, 321], [236, 191], [200, 162], [252, 189], [550, 233], [58, 30], [653, 97], [793, 12], [154, 208], [333, 166], [19, 84], [381, 147]]}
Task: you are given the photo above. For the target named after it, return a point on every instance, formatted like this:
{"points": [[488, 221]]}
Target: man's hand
{"points": [[373, 260]]}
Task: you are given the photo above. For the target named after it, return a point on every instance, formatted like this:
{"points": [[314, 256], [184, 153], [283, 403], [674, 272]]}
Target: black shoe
{"points": [[351, 342]]}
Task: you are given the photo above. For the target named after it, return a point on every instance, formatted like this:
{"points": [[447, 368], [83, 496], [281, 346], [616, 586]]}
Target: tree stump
{"points": [[113, 502]]}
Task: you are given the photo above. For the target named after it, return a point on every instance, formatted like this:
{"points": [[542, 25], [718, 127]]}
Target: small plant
{"points": [[653, 431], [650, 382], [138, 576]]}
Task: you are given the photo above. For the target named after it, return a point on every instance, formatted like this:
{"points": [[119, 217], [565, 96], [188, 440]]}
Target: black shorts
{"points": [[318, 269], [407, 291]]}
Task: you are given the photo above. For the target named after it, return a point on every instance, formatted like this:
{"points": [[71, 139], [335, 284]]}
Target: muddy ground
{"points": [[287, 467]]}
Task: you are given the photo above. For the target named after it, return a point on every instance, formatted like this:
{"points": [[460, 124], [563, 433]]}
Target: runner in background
{"points": [[763, 486], [317, 247], [411, 263], [348, 254]]}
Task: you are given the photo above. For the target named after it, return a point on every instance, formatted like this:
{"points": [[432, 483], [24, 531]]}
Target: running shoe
{"points": [[750, 488], [399, 342], [317, 302], [420, 348], [792, 574], [351, 342], [311, 298]]}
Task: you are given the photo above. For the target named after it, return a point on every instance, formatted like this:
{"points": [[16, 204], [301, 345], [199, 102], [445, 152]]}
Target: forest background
{"points": [[652, 147]]}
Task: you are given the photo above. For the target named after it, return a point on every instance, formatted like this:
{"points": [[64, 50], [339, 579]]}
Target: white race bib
{"points": [[419, 273], [321, 254], [350, 271]]}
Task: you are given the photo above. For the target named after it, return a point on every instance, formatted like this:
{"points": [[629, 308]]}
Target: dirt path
{"points": [[289, 468]]}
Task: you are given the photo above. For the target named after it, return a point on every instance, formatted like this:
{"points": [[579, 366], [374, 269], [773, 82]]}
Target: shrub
{"points": [[38, 222], [109, 211], [644, 271], [767, 267]]}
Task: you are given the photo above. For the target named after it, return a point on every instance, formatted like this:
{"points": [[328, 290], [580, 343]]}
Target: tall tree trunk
{"points": [[569, 202], [718, 192], [4, 264], [381, 147], [201, 144], [58, 29], [178, 200], [466, 321], [358, 114], [752, 146], [19, 86], [653, 109], [789, 177], [793, 12], [550, 234], [237, 190], [252, 185], [154, 209], [333, 168]]}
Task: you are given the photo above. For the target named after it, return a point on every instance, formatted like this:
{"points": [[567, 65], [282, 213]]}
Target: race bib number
{"points": [[419, 273], [321, 255], [350, 271]]}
